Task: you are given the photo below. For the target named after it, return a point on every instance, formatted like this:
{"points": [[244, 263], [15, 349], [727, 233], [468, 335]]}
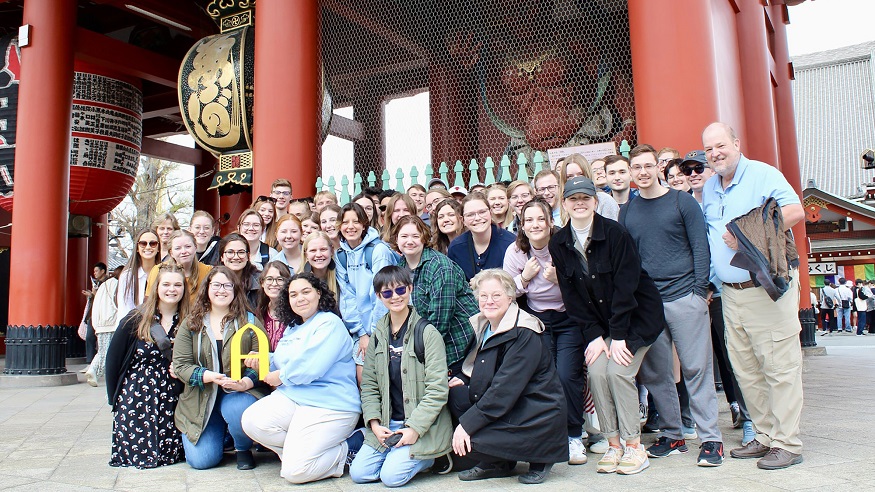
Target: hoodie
{"points": [[358, 300]]}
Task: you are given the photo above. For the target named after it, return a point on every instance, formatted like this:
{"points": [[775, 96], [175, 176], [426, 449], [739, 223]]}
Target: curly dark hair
{"points": [[327, 302]]}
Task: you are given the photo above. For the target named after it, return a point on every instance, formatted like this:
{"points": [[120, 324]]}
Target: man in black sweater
{"points": [[668, 228]]}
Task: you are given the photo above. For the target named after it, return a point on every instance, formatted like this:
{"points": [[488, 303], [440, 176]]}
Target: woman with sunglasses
{"points": [[288, 233], [576, 165], [272, 280], [266, 208], [441, 293], [132, 282], [183, 250], [403, 396], [250, 225], [446, 224], [483, 245], [202, 226], [360, 256], [329, 223], [141, 388], [234, 251], [319, 260], [316, 404], [212, 403]]}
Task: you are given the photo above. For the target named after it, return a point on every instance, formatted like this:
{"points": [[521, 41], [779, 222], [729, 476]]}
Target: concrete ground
{"points": [[59, 439]]}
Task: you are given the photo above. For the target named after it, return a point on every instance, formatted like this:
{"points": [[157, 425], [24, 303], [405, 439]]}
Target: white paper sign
{"points": [[821, 268], [592, 152]]}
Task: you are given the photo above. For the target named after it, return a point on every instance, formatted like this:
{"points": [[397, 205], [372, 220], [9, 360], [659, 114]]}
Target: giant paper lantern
{"points": [[106, 134]]}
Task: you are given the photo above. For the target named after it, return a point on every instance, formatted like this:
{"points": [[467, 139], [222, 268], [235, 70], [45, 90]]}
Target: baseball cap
{"points": [[697, 156], [435, 181], [458, 190], [579, 184]]}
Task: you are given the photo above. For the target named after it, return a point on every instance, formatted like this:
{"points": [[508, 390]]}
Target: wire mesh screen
{"points": [[503, 76]]}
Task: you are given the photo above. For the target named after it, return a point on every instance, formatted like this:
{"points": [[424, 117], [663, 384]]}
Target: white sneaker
{"points": [[91, 377], [600, 446], [634, 461], [609, 462], [576, 451]]}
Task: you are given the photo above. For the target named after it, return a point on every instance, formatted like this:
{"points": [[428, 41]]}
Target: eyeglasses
{"points": [[262, 198], [638, 167], [665, 160], [151, 244], [521, 196], [698, 169], [478, 213], [274, 280], [230, 253], [250, 225], [493, 297], [595, 170], [281, 193], [217, 286], [545, 189], [399, 291]]}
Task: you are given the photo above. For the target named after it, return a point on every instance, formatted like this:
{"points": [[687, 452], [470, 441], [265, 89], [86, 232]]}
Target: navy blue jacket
{"points": [[461, 251]]}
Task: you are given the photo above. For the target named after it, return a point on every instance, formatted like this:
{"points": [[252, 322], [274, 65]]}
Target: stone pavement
{"points": [[59, 439]]}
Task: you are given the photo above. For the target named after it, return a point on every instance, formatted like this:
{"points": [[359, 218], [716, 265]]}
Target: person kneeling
{"points": [[404, 390], [316, 403], [508, 398]]}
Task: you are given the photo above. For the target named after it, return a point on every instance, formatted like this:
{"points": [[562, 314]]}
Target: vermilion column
{"points": [[231, 208], [787, 145], [674, 73], [287, 88], [39, 219], [756, 82], [98, 243], [204, 198]]}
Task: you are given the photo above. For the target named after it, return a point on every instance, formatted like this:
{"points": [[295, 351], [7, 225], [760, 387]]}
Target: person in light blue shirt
{"points": [[761, 334], [316, 404]]}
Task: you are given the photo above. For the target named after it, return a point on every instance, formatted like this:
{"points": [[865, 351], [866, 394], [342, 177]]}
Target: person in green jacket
{"points": [[211, 401], [403, 398]]}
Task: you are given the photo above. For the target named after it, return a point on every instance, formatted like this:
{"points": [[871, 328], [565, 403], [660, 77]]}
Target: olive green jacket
{"points": [[424, 386], [193, 354]]}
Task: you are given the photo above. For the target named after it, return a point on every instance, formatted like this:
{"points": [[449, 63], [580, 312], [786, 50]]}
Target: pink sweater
{"points": [[542, 294]]}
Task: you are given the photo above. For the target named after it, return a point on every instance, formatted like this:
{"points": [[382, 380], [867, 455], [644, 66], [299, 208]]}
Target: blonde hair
{"points": [[578, 159], [331, 277], [507, 220], [149, 309], [325, 194], [504, 278], [268, 229]]}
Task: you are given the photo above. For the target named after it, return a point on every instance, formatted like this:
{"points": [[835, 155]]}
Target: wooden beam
{"points": [[163, 104], [346, 128], [167, 151], [197, 23], [105, 51], [162, 127]]}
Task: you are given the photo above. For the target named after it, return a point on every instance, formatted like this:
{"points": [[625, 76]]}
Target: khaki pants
{"points": [[310, 441], [762, 337], [615, 394]]}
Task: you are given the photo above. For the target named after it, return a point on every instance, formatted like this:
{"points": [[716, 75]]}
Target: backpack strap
{"points": [[369, 257], [418, 342], [341, 257]]}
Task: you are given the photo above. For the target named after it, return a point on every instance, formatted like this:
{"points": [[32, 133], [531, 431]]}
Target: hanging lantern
{"points": [[216, 93], [105, 139]]}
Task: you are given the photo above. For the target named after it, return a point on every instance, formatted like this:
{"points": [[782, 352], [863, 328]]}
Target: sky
{"points": [[819, 25]]}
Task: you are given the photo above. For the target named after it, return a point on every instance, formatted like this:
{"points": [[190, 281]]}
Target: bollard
{"points": [[809, 325]]}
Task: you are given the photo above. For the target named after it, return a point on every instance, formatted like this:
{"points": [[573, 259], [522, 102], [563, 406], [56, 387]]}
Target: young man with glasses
{"points": [[281, 190], [667, 220]]}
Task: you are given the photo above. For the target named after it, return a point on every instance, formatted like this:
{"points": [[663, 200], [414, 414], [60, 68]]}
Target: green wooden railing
{"points": [[487, 173]]}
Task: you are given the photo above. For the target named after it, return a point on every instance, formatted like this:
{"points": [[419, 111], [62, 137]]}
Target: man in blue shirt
{"points": [[762, 335]]}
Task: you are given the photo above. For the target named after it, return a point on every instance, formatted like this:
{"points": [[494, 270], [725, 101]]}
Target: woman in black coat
{"points": [[508, 398], [619, 311]]}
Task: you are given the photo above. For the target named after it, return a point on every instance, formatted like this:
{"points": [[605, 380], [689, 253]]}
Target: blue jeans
{"points": [[861, 322], [228, 409], [394, 467], [844, 318]]}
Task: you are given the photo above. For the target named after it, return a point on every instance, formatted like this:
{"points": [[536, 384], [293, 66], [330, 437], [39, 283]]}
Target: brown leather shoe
{"points": [[778, 458], [753, 449]]}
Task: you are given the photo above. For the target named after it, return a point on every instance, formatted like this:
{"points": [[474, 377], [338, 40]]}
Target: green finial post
{"points": [[538, 161], [331, 184], [457, 170], [344, 189], [399, 184], [444, 170], [505, 168], [384, 180], [372, 179], [319, 184], [625, 148], [522, 163], [429, 172], [357, 182], [490, 175], [413, 175], [475, 174]]}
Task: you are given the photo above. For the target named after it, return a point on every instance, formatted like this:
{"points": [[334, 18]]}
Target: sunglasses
{"points": [[698, 169], [387, 294], [262, 198], [150, 244]]}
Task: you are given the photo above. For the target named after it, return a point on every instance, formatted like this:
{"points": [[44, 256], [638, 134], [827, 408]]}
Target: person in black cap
{"points": [[619, 312], [695, 167]]}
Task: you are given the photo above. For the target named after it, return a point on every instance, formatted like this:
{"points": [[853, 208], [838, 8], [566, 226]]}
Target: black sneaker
{"points": [[652, 424], [665, 446], [711, 454], [443, 464], [245, 461]]}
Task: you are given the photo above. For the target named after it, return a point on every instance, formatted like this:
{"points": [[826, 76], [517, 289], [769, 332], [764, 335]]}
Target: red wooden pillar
{"points": [[231, 208], [206, 199], [287, 88], [756, 81], [787, 144], [39, 219], [78, 274], [98, 243]]}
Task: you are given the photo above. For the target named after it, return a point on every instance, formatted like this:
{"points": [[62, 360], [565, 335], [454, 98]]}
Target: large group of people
{"points": [[444, 329]]}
